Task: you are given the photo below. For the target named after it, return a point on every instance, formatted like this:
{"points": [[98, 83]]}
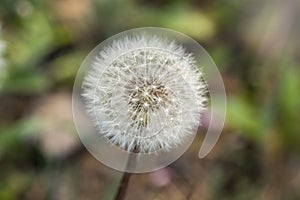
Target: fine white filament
{"points": [[145, 93]]}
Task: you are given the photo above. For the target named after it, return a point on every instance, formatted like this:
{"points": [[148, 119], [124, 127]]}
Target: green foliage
{"points": [[11, 134], [63, 69], [47, 41], [244, 117], [289, 107], [14, 185]]}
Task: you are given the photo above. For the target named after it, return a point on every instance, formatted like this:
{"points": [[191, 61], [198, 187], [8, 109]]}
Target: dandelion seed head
{"points": [[151, 87]]}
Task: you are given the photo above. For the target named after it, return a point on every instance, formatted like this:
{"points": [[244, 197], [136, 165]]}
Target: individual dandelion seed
{"points": [[145, 93]]}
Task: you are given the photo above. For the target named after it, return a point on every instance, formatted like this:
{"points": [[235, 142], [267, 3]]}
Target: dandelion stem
{"points": [[124, 183], [123, 186]]}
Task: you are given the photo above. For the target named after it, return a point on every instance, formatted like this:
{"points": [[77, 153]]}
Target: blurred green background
{"points": [[256, 46]]}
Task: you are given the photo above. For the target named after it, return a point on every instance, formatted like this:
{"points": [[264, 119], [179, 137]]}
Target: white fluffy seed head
{"points": [[145, 93]]}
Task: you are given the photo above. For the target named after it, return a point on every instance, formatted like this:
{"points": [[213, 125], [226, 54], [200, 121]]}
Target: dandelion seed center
{"points": [[146, 98]]}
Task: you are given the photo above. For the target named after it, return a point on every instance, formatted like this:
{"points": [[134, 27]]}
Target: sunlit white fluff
{"points": [[145, 93]]}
